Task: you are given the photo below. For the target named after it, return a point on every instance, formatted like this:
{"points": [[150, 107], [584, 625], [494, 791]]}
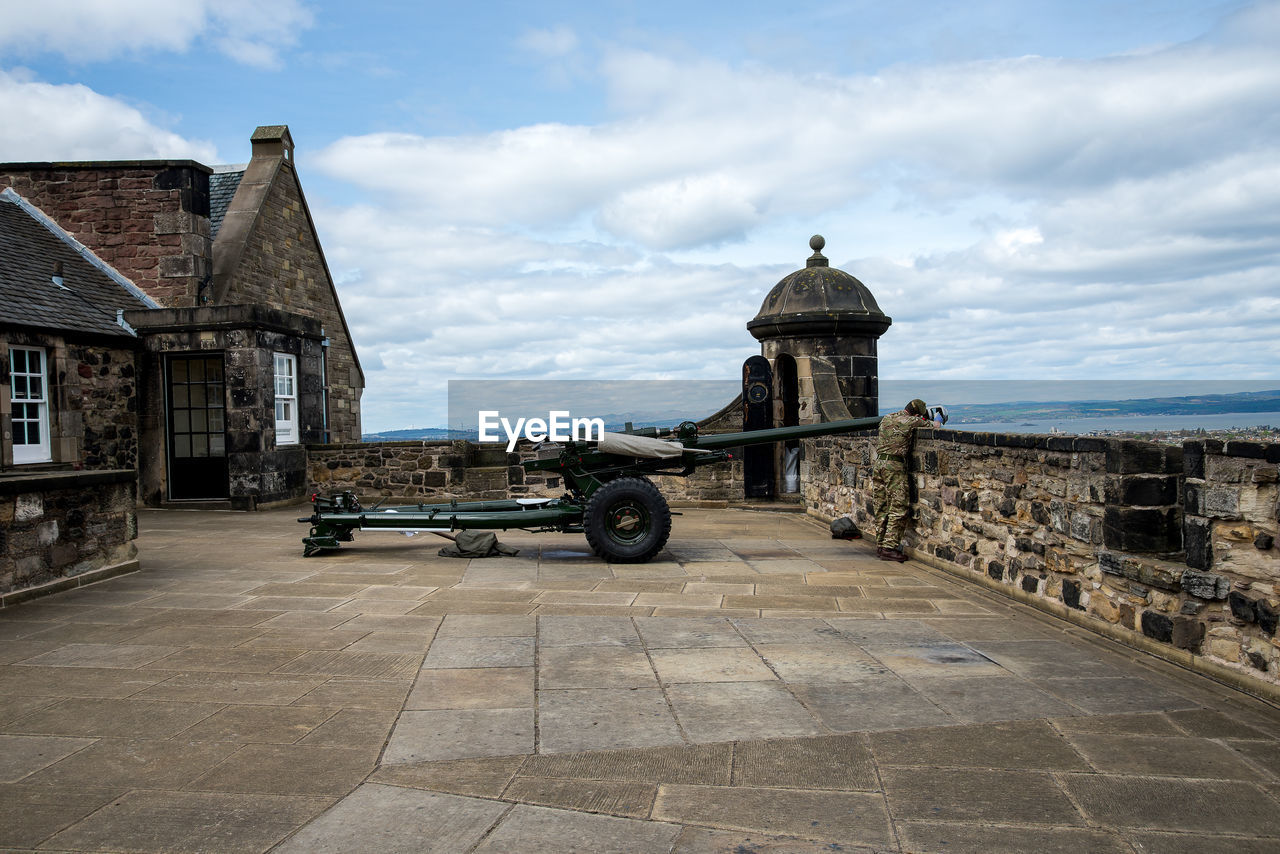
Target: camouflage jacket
{"points": [[896, 431]]}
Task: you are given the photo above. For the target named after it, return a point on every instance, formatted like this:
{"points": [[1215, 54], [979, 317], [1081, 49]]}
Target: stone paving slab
{"points": [[459, 734], [530, 828], [382, 698], [188, 821], [604, 718], [391, 820], [843, 817]]}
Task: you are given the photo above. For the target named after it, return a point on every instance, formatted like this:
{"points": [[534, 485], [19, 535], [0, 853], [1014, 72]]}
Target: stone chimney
{"points": [[272, 141]]}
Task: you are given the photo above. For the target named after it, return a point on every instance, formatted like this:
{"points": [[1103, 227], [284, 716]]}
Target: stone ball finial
{"points": [[817, 259]]}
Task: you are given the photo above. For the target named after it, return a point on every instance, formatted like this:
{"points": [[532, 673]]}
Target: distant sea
{"points": [[1132, 423]]}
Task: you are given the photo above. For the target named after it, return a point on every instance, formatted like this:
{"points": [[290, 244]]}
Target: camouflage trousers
{"points": [[891, 502]]}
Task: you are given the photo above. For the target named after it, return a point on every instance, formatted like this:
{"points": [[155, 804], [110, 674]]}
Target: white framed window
{"points": [[29, 398], [286, 399]]}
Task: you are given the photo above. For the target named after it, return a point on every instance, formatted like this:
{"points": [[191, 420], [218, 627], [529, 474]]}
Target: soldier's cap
{"points": [[918, 407]]}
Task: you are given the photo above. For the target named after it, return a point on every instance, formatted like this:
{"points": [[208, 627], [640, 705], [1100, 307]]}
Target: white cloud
{"points": [[1115, 217], [554, 42], [89, 30], [691, 132], [45, 122]]}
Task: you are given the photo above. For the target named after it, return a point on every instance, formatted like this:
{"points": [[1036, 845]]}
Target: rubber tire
{"points": [[640, 494]]}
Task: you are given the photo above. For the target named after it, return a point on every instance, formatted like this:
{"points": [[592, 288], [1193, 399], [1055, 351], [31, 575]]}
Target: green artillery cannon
{"points": [[609, 495]]}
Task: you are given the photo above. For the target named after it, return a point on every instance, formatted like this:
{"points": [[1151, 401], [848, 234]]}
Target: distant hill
{"points": [[1204, 404]]}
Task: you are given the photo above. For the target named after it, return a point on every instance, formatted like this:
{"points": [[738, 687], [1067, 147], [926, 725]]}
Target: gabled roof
{"points": [[92, 292], [223, 184]]}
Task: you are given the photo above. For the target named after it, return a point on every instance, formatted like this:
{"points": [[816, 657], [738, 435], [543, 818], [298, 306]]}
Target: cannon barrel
{"points": [[718, 441]]}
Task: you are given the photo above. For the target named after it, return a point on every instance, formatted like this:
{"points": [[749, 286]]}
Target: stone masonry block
{"points": [[1222, 502], [28, 507], [1193, 496], [1134, 457], [1083, 526], [1148, 572], [1142, 529], [1142, 490], [1197, 539], [1205, 585], [1158, 626], [1187, 633], [177, 266], [1193, 459]]}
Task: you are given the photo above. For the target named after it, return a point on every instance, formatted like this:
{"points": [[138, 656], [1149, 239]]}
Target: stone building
{"points": [[818, 329], [68, 405], [244, 353]]}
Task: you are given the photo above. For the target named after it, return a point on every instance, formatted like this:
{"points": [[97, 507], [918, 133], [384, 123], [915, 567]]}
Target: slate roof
{"points": [[222, 189], [28, 295]]}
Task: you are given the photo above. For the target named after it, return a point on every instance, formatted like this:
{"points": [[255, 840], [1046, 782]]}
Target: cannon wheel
{"points": [[627, 520]]}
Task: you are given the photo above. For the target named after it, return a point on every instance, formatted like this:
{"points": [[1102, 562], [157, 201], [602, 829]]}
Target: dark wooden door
{"points": [[757, 414], [197, 410]]}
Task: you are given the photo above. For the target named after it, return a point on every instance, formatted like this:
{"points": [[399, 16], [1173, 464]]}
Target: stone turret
{"points": [[818, 328]]}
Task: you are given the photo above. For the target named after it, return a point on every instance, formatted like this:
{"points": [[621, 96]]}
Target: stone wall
{"points": [[64, 529], [246, 336], [147, 219], [1092, 526], [442, 471], [108, 402], [1231, 503], [426, 471], [93, 411], [280, 263]]}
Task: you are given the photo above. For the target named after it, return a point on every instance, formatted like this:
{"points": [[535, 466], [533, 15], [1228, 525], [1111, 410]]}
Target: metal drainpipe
{"points": [[324, 385]]}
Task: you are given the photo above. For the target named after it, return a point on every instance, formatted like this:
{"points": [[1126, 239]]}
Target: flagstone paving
{"points": [[757, 687]]}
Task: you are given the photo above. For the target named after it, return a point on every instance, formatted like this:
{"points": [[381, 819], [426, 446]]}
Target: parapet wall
{"points": [[1095, 526], [59, 530], [425, 471]]}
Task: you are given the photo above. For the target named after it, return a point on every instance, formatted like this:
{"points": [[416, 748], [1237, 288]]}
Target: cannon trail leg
{"points": [[627, 520]]}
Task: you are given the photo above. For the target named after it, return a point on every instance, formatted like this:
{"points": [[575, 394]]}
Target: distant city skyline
{"points": [[1076, 191]]}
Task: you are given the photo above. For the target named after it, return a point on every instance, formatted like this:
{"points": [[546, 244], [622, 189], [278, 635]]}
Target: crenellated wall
{"points": [[1093, 526]]}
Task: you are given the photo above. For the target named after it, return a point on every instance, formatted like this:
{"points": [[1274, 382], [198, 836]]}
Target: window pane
{"points": [[215, 395], [19, 387], [196, 371], [280, 412], [182, 446], [199, 421], [181, 421], [196, 393], [217, 446], [199, 446], [35, 388], [179, 370], [215, 421], [180, 396], [213, 370]]}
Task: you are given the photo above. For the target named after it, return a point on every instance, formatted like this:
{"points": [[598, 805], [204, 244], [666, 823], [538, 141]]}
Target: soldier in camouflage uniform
{"points": [[890, 492]]}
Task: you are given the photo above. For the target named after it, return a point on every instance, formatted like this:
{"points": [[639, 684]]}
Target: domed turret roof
{"points": [[818, 300]]}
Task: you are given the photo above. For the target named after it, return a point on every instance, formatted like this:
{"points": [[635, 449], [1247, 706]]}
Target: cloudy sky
{"points": [[508, 190]]}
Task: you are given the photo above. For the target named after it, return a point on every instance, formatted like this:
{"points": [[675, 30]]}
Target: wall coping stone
{"points": [[20, 484]]}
